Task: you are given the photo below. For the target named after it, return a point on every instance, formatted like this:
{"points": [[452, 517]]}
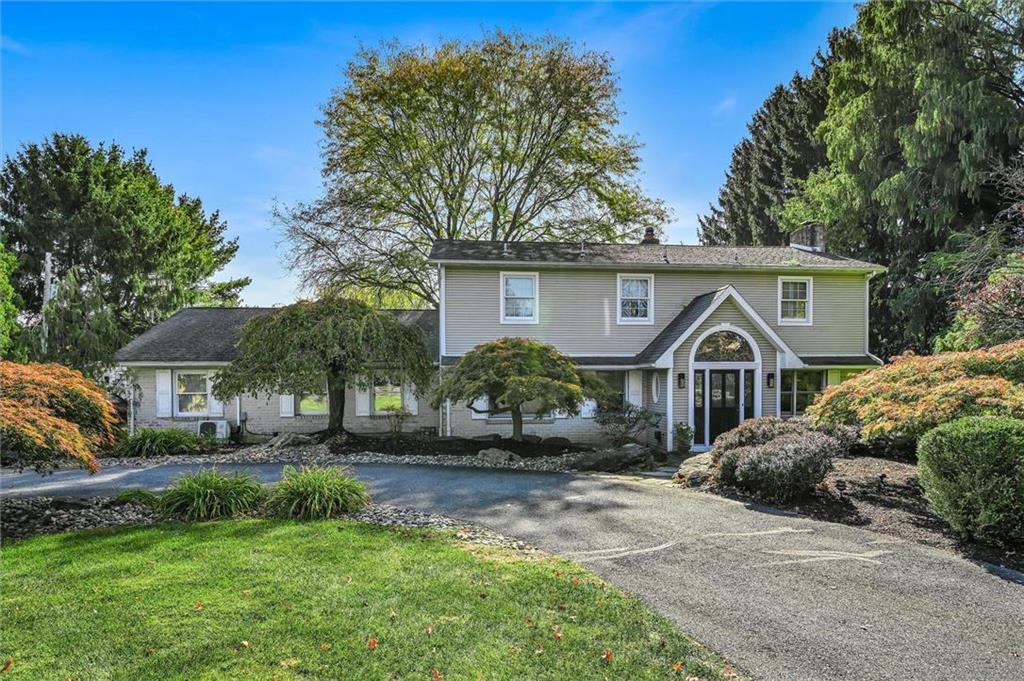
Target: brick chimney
{"points": [[809, 237], [649, 237]]}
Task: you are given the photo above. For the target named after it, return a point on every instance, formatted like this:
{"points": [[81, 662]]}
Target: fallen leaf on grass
{"points": [[371, 643], [198, 605], [677, 667], [575, 580], [607, 656], [348, 579], [562, 606], [556, 633], [8, 663], [435, 675], [428, 631], [325, 647], [540, 647], [245, 644], [392, 613], [290, 663], [150, 651]]}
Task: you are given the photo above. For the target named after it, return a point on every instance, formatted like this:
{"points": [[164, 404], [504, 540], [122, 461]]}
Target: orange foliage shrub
{"points": [[908, 397], [49, 412]]}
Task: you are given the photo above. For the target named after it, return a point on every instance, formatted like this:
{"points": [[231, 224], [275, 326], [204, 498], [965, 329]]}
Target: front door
{"points": [[723, 401]]}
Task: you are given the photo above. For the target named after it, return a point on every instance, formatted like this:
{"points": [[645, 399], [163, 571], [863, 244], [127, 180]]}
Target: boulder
{"points": [[494, 456], [532, 439], [289, 440], [615, 458], [556, 442], [695, 471]]}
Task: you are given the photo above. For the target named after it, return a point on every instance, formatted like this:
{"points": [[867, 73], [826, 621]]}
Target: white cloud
{"points": [[8, 44], [726, 105]]}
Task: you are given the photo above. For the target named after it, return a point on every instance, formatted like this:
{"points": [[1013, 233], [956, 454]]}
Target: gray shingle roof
{"points": [[841, 361], [210, 334], [660, 255], [689, 314]]}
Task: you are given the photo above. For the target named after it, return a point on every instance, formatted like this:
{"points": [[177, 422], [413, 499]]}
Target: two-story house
{"points": [[705, 336]]}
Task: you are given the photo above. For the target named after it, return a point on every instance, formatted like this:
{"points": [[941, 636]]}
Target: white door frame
{"points": [[705, 367]]}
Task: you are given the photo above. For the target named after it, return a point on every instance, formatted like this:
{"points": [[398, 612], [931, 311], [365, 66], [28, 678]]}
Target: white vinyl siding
{"points": [[796, 301], [636, 299], [519, 299]]}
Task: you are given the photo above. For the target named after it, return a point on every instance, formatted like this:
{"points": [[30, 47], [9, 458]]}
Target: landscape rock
{"points": [[489, 437], [493, 456], [556, 442], [532, 439], [695, 471], [289, 440]]}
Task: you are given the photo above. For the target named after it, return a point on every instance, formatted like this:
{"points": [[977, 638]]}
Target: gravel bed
{"points": [[320, 455], [24, 517]]}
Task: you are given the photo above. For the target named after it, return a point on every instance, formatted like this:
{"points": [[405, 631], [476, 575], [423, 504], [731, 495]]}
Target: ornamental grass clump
{"points": [[150, 442], [210, 494], [900, 402], [972, 473], [316, 494]]}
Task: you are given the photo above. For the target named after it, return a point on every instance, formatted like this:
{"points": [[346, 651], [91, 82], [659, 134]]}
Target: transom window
{"points": [[386, 398], [519, 298], [724, 346], [636, 300], [795, 302], [192, 393], [799, 388]]}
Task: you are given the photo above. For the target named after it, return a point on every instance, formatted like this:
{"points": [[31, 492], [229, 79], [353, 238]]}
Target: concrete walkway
{"points": [[781, 596]]}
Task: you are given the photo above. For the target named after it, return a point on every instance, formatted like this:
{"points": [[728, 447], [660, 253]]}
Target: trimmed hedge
{"points": [[972, 472]]}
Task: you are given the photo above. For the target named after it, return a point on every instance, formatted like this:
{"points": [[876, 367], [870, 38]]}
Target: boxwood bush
{"points": [[972, 472], [210, 494], [150, 442], [316, 493]]}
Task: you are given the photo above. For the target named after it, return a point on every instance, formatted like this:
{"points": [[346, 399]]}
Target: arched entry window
{"points": [[725, 346]]}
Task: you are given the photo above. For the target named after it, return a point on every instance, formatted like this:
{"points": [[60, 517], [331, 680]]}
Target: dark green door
{"points": [[723, 401]]}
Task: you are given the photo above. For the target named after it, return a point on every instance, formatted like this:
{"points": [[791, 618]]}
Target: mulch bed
{"points": [[446, 446], [883, 495]]}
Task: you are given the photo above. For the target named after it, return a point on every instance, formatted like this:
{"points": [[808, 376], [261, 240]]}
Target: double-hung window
{"points": [[636, 298], [519, 298], [799, 388], [386, 398], [192, 393], [313, 405], [795, 300]]}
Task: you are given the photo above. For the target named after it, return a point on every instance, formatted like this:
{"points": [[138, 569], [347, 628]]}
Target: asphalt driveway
{"points": [[783, 597]]}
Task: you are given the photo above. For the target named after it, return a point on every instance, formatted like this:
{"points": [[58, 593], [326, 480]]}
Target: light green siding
{"points": [[577, 309]]}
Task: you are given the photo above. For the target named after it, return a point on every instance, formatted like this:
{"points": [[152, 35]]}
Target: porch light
{"points": [[771, 379], [681, 381]]}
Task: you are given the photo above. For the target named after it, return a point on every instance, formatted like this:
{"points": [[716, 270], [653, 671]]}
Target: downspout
{"points": [[670, 435]]}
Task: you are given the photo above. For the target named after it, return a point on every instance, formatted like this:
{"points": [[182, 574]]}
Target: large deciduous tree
{"points": [[334, 341], [106, 215], [509, 138], [511, 372], [926, 104]]}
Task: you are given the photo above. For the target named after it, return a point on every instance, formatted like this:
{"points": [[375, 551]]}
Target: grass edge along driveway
{"points": [[332, 599]]}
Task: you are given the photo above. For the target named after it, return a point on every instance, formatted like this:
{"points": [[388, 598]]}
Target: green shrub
{"points": [[142, 497], [683, 438], [755, 432], [972, 472], [150, 442], [625, 425], [210, 494], [316, 493], [787, 467]]}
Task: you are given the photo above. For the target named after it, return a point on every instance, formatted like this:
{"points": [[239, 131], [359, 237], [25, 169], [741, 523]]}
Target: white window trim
{"points": [[649, 319], [175, 393], [810, 302], [536, 299]]}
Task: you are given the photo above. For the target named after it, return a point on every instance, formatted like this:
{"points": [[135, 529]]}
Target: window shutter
{"points": [[287, 405], [362, 402], [216, 406], [409, 401], [588, 409], [479, 403], [635, 388], [164, 392]]}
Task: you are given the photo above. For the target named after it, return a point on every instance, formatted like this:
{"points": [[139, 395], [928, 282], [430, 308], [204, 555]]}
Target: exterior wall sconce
{"points": [[681, 381], [771, 380]]}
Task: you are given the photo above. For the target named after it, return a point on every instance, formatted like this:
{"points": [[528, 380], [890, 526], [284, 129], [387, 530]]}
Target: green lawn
{"points": [[279, 599]]}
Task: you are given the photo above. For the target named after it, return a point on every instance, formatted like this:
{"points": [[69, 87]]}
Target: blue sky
{"points": [[225, 95]]}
